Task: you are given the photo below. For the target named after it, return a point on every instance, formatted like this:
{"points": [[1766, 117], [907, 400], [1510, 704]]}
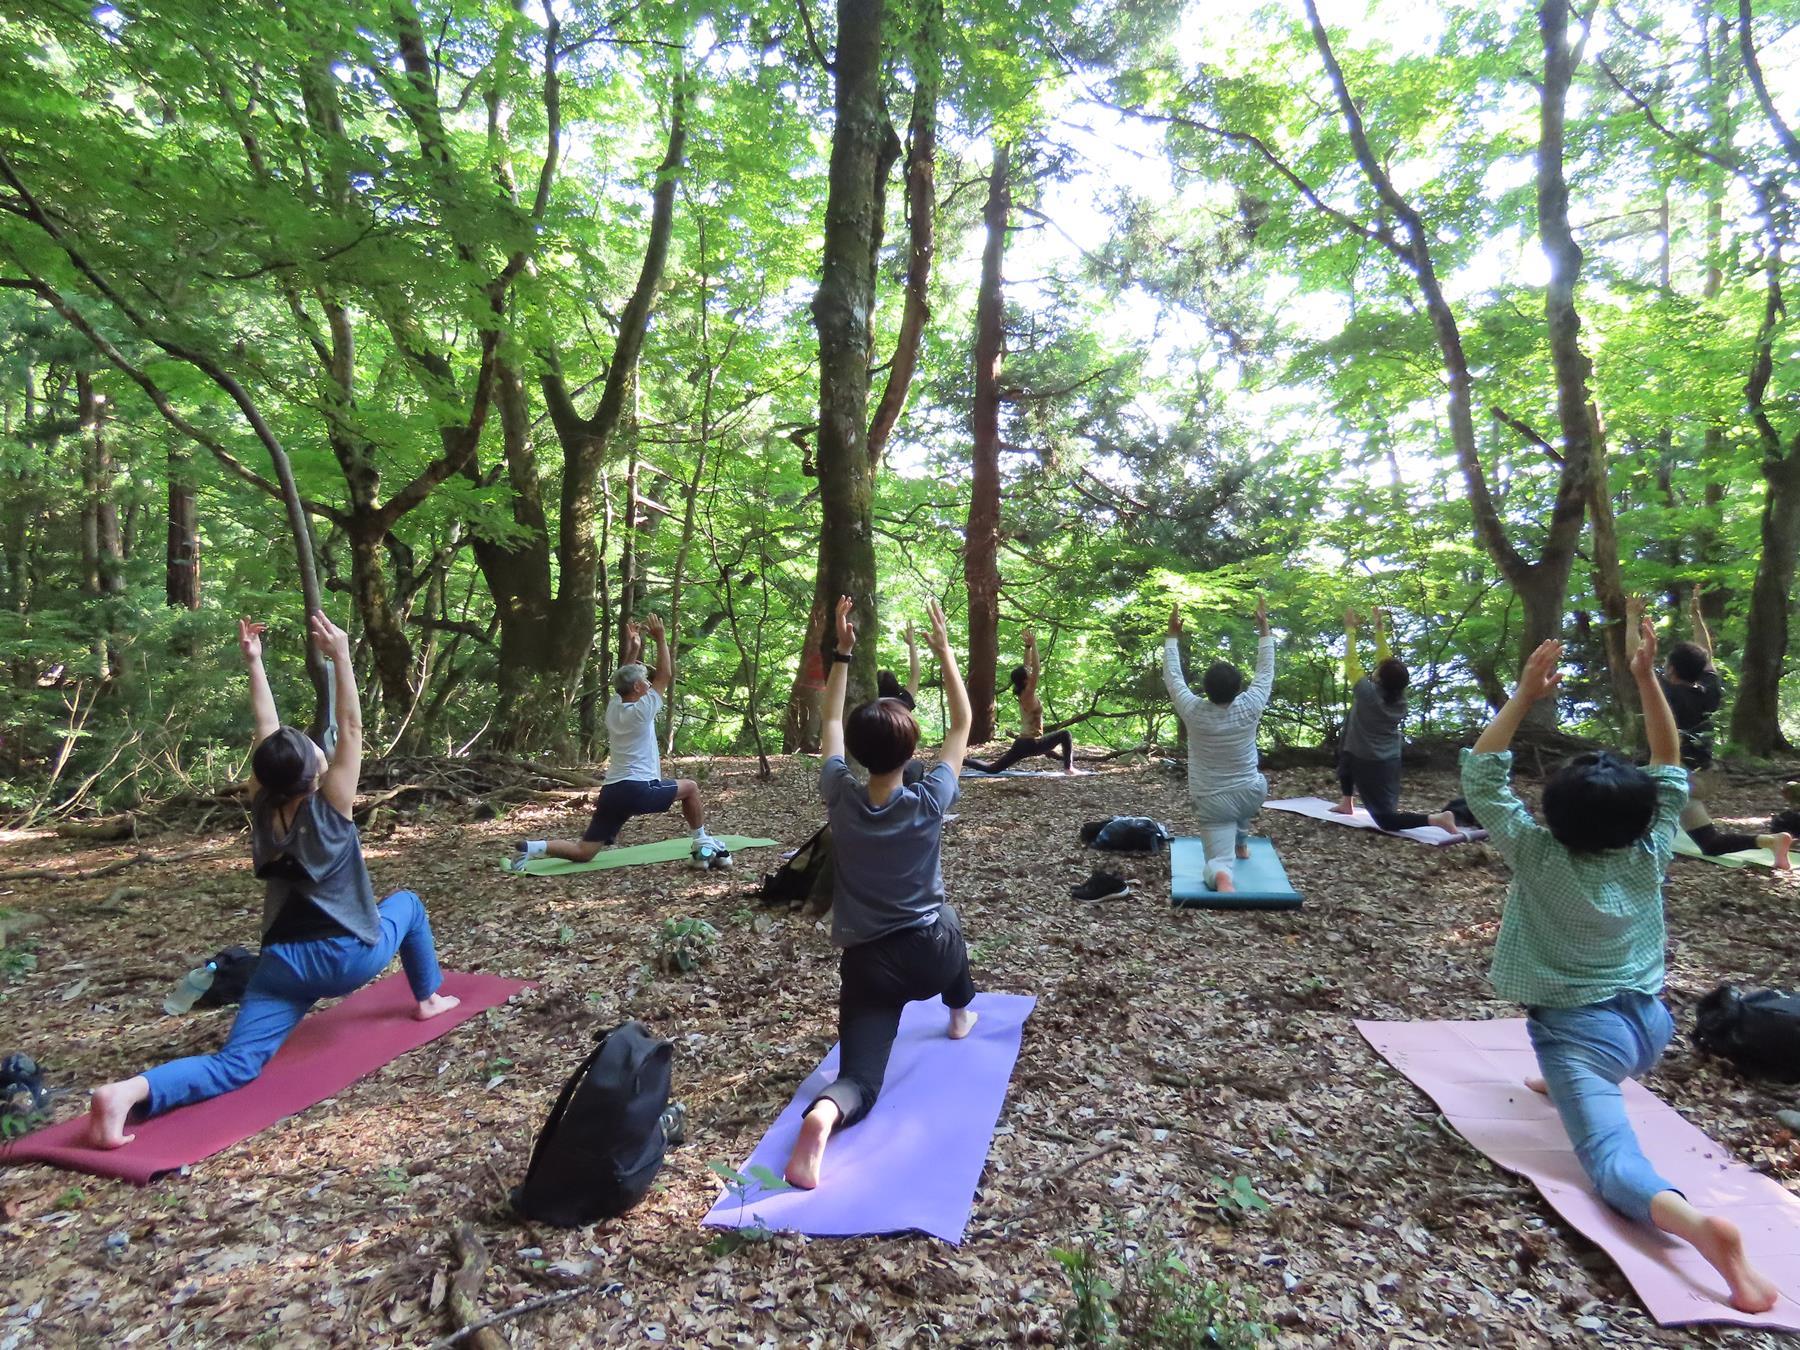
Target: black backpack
{"points": [[805, 877], [1126, 834], [1759, 1031], [603, 1143], [234, 967]]}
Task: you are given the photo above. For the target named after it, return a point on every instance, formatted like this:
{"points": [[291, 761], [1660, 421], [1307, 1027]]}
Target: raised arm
{"points": [[1184, 699], [632, 650], [1539, 679], [1382, 650], [1353, 666], [345, 770], [962, 716], [1634, 621], [1031, 663], [1659, 719], [1253, 700], [831, 707], [912, 661], [262, 699], [1702, 635], [664, 674]]}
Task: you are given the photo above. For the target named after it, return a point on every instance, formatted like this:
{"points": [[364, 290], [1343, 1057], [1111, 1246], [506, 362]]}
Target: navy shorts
{"points": [[619, 802]]}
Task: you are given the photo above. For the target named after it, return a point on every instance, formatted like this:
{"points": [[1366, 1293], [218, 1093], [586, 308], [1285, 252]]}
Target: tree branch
{"points": [[812, 36]]}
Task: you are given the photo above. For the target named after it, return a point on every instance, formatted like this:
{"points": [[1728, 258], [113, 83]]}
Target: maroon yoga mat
{"points": [[326, 1053]]}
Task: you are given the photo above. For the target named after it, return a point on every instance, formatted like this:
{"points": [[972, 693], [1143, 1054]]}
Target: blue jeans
{"points": [[291, 977], [1584, 1053]]}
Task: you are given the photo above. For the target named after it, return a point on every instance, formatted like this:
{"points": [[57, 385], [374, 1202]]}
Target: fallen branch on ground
{"points": [[465, 1307], [477, 1329], [51, 874]]}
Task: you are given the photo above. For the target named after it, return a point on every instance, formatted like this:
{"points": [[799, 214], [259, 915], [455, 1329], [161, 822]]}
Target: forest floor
{"points": [[1170, 1052]]}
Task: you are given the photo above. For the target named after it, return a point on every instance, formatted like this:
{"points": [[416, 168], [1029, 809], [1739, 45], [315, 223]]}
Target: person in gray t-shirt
{"points": [[901, 941]]}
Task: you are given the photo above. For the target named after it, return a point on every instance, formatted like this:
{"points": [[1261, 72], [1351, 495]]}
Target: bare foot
{"points": [[111, 1105], [1222, 882], [435, 1006], [1782, 843], [1346, 807], [1719, 1241], [962, 1022], [809, 1149], [1537, 1084], [1445, 821]]}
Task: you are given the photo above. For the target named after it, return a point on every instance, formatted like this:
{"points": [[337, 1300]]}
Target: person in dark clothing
{"points": [[323, 935], [901, 941], [1690, 682], [1031, 741], [1374, 735]]}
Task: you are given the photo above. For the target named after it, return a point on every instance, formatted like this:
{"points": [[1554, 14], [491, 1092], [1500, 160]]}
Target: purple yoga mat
{"points": [[326, 1053], [912, 1164], [1475, 1072]]}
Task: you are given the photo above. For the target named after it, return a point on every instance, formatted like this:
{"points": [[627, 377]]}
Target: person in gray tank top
{"points": [[1375, 734], [323, 935]]}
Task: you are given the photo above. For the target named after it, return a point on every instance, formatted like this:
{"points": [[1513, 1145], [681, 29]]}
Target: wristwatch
{"points": [[842, 656]]}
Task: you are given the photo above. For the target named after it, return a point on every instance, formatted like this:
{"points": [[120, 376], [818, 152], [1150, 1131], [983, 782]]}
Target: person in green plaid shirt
{"points": [[1581, 944]]}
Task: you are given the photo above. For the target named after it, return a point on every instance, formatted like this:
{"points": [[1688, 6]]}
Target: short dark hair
{"points": [[1597, 801], [283, 762], [1222, 682], [881, 734], [1019, 676], [1393, 677], [887, 685], [1688, 660]]}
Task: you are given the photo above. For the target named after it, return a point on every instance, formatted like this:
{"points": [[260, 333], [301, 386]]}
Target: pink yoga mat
{"points": [[1317, 808], [327, 1052], [1475, 1072], [912, 1164]]}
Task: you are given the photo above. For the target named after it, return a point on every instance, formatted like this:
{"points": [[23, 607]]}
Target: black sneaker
{"points": [[674, 1124], [1101, 886]]}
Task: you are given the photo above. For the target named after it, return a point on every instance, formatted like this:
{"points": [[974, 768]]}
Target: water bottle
{"points": [[193, 984]]}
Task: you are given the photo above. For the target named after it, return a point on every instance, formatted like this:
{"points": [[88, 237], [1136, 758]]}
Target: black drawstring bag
{"points": [[602, 1145], [1125, 834], [235, 966], [1759, 1031], [805, 877]]}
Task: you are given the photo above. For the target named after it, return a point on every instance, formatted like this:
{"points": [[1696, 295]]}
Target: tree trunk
{"points": [[981, 543], [181, 587], [1541, 585], [921, 211], [841, 309], [517, 574], [1609, 588], [631, 587], [1756, 717]]}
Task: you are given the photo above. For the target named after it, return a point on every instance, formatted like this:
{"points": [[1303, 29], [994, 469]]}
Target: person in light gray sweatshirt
{"points": [[1224, 781]]}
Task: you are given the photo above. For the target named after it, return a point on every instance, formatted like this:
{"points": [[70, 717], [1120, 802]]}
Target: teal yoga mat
{"points": [[1749, 857], [1262, 882], [663, 850]]}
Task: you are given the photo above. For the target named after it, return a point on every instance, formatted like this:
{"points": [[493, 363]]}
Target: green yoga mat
{"points": [[1748, 857], [663, 850], [1261, 880]]}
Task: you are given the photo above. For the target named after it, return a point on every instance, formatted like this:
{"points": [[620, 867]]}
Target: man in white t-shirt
{"points": [[632, 786]]}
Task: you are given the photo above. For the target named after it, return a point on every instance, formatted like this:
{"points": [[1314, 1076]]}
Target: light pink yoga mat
{"points": [[1475, 1072], [1317, 808], [326, 1053]]}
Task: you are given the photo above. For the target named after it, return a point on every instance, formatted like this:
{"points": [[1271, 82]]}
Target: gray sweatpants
{"points": [[1224, 820]]}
